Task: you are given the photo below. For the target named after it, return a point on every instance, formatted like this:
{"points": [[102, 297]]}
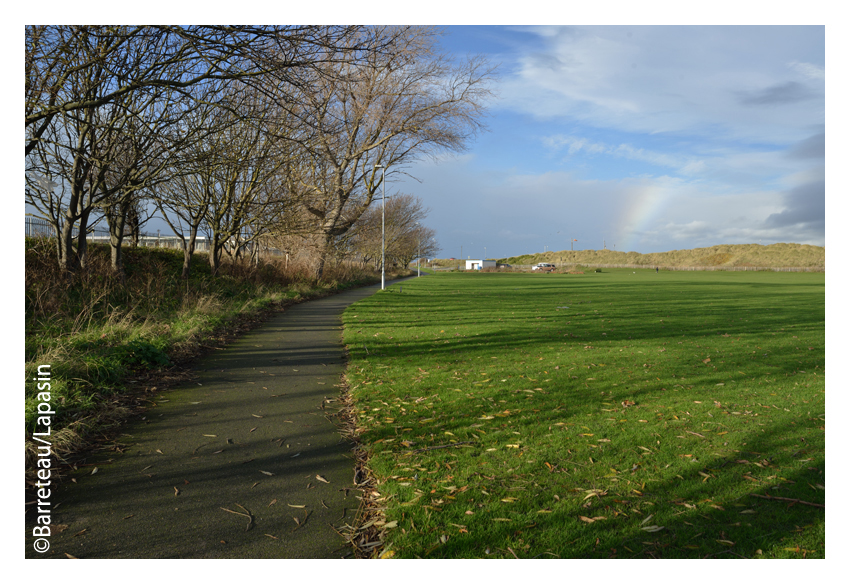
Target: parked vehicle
{"points": [[543, 266]]}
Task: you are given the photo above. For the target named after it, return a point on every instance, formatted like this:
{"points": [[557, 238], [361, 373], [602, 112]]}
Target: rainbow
{"points": [[645, 205]]}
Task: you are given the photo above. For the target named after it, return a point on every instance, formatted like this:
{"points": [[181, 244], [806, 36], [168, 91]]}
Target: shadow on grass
{"points": [[700, 517], [704, 506]]}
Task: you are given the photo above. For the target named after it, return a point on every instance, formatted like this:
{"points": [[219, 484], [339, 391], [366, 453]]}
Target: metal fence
{"points": [[36, 227]]}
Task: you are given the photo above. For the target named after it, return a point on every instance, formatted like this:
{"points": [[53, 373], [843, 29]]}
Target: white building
{"points": [[478, 264]]}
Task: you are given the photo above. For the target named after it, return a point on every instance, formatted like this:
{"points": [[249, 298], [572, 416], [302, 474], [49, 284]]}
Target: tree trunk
{"points": [[215, 248], [133, 222], [255, 253], [324, 249], [57, 239], [82, 240], [188, 250], [116, 255], [116, 222], [68, 260], [320, 269]]}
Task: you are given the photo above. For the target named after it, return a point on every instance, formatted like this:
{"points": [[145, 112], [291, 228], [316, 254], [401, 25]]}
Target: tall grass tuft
{"points": [[97, 330]]}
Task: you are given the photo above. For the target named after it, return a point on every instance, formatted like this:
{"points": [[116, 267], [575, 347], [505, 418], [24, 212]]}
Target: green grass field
{"points": [[618, 414]]}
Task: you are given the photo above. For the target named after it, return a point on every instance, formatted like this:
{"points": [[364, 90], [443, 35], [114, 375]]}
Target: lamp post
{"points": [[419, 254], [383, 207]]}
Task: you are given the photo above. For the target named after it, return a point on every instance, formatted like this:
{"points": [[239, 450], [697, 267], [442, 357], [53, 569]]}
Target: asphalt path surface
{"points": [[241, 462]]}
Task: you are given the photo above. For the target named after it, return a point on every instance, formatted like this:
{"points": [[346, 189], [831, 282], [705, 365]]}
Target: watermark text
{"points": [[41, 436]]}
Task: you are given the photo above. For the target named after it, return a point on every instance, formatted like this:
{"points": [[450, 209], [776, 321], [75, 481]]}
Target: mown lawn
{"points": [[618, 414]]}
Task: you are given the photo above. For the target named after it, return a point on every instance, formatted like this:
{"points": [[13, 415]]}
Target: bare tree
{"points": [[110, 154], [174, 57], [79, 81], [389, 108], [98, 148], [402, 218], [419, 242], [153, 132], [244, 160], [183, 199], [66, 154]]}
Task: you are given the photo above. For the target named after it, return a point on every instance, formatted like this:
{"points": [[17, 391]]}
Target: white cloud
{"points": [[808, 70], [575, 145], [700, 80]]}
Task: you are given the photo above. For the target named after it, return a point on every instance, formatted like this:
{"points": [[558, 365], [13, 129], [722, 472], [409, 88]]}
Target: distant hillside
{"points": [[777, 255]]}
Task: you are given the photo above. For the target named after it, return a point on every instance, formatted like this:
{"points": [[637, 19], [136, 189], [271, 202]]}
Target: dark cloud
{"points": [[550, 62], [811, 147], [783, 93], [804, 205]]}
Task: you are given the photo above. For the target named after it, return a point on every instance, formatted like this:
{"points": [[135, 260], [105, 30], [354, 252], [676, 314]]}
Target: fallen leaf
{"points": [[321, 478], [265, 472]]}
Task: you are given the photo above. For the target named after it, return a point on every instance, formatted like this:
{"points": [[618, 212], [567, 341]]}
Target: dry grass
{"points": [[778, 255], [365, 534], [99, 332]]}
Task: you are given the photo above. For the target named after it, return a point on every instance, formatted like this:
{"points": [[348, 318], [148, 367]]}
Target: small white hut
{"points": [[479, 264]]}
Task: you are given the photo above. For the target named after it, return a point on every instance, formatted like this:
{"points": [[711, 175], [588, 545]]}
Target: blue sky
{"points": [[639, 138]]}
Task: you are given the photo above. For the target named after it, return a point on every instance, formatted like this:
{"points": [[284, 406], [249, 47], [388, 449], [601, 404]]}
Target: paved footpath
{"points": [[248, 435]]}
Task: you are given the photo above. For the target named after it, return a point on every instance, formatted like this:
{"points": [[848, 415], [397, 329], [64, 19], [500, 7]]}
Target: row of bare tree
{"points": [[249, 134]]}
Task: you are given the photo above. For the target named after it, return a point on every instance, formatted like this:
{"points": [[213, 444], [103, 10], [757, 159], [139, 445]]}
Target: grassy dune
{"points": [[777, 255]]}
